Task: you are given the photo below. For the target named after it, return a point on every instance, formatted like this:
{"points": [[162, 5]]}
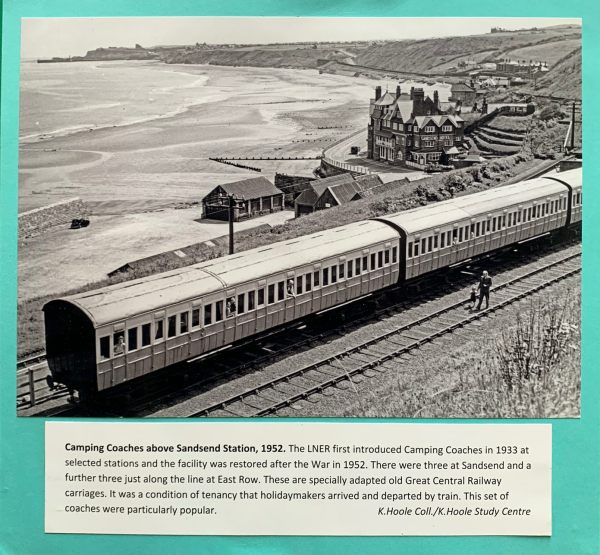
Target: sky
{"points": [[75, 36]]}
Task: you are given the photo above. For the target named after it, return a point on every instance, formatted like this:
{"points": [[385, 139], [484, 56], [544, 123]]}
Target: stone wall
{"points": [[35, 222]]}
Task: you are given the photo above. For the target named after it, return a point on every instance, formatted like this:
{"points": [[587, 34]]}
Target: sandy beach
{"points": [[130, 175]]}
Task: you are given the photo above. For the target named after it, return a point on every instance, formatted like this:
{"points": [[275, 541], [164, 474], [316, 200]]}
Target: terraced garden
{"points": [[501, 136]]}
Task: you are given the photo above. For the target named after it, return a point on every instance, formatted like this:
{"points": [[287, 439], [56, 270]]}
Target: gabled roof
{"points": [[345, 192], [251, 188], [319, 186], [386, 100], [437, 120]]}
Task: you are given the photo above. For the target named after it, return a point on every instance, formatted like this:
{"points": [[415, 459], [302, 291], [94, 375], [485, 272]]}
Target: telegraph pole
{"points": [[573, 127], [232, 203]]}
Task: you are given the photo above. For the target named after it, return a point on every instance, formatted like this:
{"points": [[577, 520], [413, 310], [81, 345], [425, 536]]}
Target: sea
{"points": [[62, 98]]}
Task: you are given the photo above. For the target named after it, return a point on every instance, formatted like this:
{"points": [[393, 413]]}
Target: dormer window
{"points": [[430, 129], [446, 128], [409, 127]]}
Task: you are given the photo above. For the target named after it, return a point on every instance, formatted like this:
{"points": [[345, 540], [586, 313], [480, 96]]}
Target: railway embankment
{"points": [[35, 222]]}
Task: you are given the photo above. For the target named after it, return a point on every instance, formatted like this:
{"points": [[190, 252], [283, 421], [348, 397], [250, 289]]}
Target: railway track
{"points": [[371, 355], [201, 377]]}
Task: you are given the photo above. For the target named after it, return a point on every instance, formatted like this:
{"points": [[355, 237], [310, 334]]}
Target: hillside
{"points": [[564, 78]]}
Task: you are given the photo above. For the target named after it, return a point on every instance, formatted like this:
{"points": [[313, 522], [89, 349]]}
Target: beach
{"points": [[132, 160]]}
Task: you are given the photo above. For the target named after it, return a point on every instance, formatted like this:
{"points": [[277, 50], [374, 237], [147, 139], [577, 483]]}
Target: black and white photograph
{"points": [[300, 217]]}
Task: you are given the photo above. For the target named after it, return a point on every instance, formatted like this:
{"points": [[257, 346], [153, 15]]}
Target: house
{"points": [[253, 197], [411, 130], [334, 191], [463, 93]]}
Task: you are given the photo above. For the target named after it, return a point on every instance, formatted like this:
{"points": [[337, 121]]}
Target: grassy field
{"points": [[526, 366], [550, 52]]}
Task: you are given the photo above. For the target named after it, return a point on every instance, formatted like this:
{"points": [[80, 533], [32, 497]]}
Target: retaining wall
{"points": [[35, 222]]}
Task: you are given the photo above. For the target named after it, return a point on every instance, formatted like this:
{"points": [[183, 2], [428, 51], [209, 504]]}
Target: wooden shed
{"points": [[254, 197]]}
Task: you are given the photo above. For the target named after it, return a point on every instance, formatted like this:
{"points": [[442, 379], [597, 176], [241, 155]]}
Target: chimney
{"points": [[412, 92], [436, 99], [377, 92], [398, 91], [418, 98]]}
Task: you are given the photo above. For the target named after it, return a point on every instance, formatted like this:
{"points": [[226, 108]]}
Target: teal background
{"points": [[576, 489]]}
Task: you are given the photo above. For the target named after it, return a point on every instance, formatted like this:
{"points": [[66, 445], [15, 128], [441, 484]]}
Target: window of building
{"points": [[195, 317], [429, 129], [183, 322], [105, 347], [446, 128], [218, 311], [159, 331], [207, 314], [172, 326]]}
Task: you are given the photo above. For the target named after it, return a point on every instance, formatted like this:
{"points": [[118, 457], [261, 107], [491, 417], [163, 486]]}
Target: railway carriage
{"points": [[447, 233], [100, 339]]}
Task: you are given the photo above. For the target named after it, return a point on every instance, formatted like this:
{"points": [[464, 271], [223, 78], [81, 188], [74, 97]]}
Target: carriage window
{"points": [[442, 240], [423, 245], [373, 261], [308, 282], [325, 276], [472, 230], [299, 285], [241, 304], [529, 214], [172, 326], [251, 299], [207, 314], [218, 311], [466, 232], [119, 343], [260, 301], [488, 226], [386, 255], [416, 248], [290, 287], [316, 278], [105, 347], [430, 244], [349, 268], [477, 229], [280, 290], [519, 217], [271, 296], [365, 263], [504, 220], [341, 271], [410, 250], [195, 317], [494, 224], [510, 220], [380, 259], [543, 210], [145, 335], [230, 307], [460, 235], [183, 322], [556, 207], [394, 254], [333, 275], [159, 330], [357, 266]]}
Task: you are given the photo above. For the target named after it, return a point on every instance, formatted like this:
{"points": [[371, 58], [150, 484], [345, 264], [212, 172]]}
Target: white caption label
{"points": [[291, 478]]}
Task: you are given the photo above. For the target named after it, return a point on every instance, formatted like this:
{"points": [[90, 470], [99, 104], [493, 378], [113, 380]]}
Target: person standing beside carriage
{"points": [[485, 284]]}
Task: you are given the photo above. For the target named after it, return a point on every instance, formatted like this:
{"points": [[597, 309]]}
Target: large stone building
{"points": [[411, 129]]}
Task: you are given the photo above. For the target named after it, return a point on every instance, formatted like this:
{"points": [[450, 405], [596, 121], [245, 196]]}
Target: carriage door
{"points": [[261, 306], [387, 264], [230, 317], [119, 361], [290, 297], [159, 347], [365, 272], [342, 284]]}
